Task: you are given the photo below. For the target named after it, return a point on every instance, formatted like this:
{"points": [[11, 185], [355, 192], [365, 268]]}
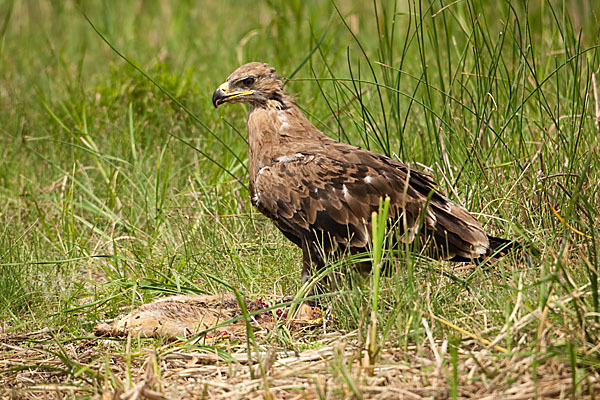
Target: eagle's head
{"points": [[254, 83]]}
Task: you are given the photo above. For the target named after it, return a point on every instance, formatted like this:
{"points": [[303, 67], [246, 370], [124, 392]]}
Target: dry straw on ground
{"points": [[35, 366], [330, 371]]}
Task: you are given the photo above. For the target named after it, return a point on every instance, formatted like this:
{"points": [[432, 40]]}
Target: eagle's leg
{"points": [[307, 264], [311, 262]]}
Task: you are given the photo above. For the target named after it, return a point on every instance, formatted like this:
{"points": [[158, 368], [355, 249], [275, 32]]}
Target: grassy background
{"points": [[112, 194]]}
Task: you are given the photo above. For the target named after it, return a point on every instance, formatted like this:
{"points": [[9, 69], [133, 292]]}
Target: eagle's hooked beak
{"points": [[222, 94]]}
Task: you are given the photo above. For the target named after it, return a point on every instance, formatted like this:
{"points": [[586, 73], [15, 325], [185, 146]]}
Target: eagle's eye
{"points": [[248, 81]]}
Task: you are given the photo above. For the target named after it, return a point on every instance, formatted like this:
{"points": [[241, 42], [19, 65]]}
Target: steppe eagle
{"points": [[321, 193]]}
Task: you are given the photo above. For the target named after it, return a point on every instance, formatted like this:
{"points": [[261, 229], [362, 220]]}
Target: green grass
{"points": [[112, 193]]}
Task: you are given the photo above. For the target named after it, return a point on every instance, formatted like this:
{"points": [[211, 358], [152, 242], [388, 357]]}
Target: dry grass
{"points": [[331, 365], [331, 371]]}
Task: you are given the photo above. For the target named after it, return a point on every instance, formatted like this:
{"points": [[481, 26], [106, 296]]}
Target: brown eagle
{"points": [[321, 193]]}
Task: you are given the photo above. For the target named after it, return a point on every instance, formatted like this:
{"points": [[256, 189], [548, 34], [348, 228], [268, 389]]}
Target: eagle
{"points": [[321, 193]]}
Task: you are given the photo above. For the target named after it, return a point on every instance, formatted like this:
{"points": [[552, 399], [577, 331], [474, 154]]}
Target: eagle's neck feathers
{"points": [[278, 130]]}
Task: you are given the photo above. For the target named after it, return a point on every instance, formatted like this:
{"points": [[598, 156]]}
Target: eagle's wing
{"points": [[331, 199]]}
